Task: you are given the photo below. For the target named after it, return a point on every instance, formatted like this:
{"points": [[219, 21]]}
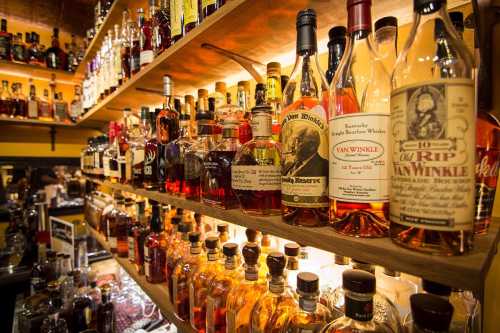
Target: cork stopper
{"points": [[251, 252], [220, 87], [276, 263]]}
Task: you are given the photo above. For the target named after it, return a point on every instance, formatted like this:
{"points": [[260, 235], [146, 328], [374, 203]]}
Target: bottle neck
{"points": [[292, 263], [251, 273], [277, 284], [155, 219], [205, 128], [195, 249], [308, 302], [212, 256], [335, 52], [230, 263]]}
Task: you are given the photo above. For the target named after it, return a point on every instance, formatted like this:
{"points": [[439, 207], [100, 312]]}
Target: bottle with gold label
{"points": [[241, 299], [433, 138], [176, 24], [304, 133]]}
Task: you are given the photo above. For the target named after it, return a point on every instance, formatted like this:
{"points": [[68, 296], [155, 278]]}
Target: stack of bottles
{"points": [[273, 285]]}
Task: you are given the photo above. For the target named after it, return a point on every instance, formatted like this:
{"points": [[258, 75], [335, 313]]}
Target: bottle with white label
{"points": [[433, 137], [256, 170], [359, 133]]}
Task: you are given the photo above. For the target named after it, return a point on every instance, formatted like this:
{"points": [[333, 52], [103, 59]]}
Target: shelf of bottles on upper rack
{"points": [[463, 272], [157, 292], [260, 30]]}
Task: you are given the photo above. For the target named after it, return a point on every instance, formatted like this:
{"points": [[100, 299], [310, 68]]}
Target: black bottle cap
{"points": [[176, 220], [337, 33], [221, 228], [436, 288], [292, 249], [194, 236], [457, 18], [276, 262], [251, 235], [307, 282], [153, 202], [431, 312], [306, 31], [251, 252], [185, 227], [427, 6], [230, 249], [387, 21], [358, 281], [211, 242]]}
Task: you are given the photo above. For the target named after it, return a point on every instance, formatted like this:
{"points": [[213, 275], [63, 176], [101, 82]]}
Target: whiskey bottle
{"points": [[359, 183], [81, 314], [178, 249], [216, 180], [304, 133], [76, 107], [111, 224], [208, 7], [255, 172], [219, 288], [151, 155], [146, 35], [135, 47], [45, 111], [167, 130], [55, 321], [277, 304], [396, 289], [60, 108], [123, 221], [274, 96], [140, 234], [5, 41], [199, 282], [242, 298], [125, 47], [311, 316], [19, 103], [106, 316], [336, 48], [386, 39], [154, 248], [32, 102], [55, 56], [428, 98], [176, 150], [176, 16], [181, 276], [124, 160], [18, 49], [191, 13], [431, 313], [243, 99], [5, 100], [110, 155], [162, 21]]}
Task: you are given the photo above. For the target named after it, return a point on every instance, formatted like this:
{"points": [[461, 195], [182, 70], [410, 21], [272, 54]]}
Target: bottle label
{"points": [[486, 181], [206, 3], [112, 242], [131, 248], [359, 165], [308, 304], [32, 109], [261, 124], [176, 17], [256, 177], [193, 167], [149, 162], [305, 166], [146, 57], [190, 11], [76, 110], [277, 288], [359, 309], [230, 321], [433, 153], [138, 156]]}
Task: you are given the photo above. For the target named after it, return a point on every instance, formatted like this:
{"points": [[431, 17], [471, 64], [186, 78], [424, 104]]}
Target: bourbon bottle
{"points": [[151, 155], [304, 133], [154, 248]]}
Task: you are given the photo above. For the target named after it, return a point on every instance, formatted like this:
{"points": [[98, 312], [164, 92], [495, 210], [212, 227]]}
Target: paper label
{"points": [[256, 177], [32, 109], [487, 164], [206, 3], [190, 11], [131, 248], [76, 109], [433, 131], [112, 242], [359, 157], [176, 17], [305, 165], [146, 57], [261, 124]]}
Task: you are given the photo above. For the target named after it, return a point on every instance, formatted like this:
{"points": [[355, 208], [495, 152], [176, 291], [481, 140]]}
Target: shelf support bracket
{"points": [[52, 138]]}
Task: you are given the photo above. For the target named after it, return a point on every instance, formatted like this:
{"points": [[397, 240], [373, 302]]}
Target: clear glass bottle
{"points": [[5, 41], [45, 111], [431, 313], [176, 23], [386, 38], [359, 183], [54, 323], [273, 95], [396, 289], [331, 277], [146, 35], [125, 47], [255, 172], [19, 102], [219, 288], [5, 100], [32, 102], [273, 309], [216, 180], [336, 48], [242, 298], [433, 97], [135, 48], [60, 108], [304, 133], [154, 248], [359, 289]]}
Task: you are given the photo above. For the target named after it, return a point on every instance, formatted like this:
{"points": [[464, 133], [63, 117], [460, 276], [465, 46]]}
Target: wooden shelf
{"points": [[463, 272], [31, 122], [260, 30], [157, 292], [38, 72]]}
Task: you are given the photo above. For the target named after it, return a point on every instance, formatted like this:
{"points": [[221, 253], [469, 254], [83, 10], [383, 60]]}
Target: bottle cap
{"points": [[387, 21], [359, 15], [220, 87], [244, 84], [430, 312], [274, 68], [197, 217], [211, 242], [457, 18], [153, 202], [251, 252], [211, 104], [230, 249], [184, 227], [292, 249], [276, 263], [202, 93], [435, 288], [194, 236], [306, 31], [337, 33], [362, 265], [307, 282], [251, 235], [358, 281], [221, 227]]}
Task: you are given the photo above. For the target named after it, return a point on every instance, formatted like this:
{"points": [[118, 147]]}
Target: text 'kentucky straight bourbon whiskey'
{"points": [[433, 138]]}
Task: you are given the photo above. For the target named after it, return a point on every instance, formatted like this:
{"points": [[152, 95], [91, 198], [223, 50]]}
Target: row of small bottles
{"points": [[129, 47], [217, 289], [64, 299], [48, 107]]}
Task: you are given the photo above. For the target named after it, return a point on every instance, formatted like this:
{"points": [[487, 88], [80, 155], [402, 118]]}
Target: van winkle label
{"points": [[305, 164], [487, 163], [433, 174], [359, 151]]}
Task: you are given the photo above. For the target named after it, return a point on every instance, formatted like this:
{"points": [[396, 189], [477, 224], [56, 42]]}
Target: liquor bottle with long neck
{"points": [[273, 95], [32, 102], [191, 13], [154, 248], [433, 108], [359, 182], [137, 149], [151, 155], [386, 38], [243, 101], [146, 37], [125, 47], [135, 46], [5, 41], [336, 48], [55, 57], [162, 21], [176, 24], [167, 130], [304, 133]]}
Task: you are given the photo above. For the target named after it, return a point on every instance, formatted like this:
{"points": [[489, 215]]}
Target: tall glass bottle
{"points": [[179, 248], [304, 133], [243, 101], [167, 130], [336, 48], [255, 172], [273, 95], [432, 103], [76, 107], [146, 38], [219, 288], [135, 48], [359, 182], [242, 298], [55, 56], [191, 13], [125, 47], [386, 38], [162, 20], [32, 102], [5, 100], [176, 23], [124, 162], [137, 149], [272, 310], [45, 111], [151, 155], [5, 41]]}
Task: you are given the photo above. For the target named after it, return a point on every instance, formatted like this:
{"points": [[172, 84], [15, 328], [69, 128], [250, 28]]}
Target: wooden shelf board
{"points": [[37, 72], [464, 272], [157, 292], [32, 122]]}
